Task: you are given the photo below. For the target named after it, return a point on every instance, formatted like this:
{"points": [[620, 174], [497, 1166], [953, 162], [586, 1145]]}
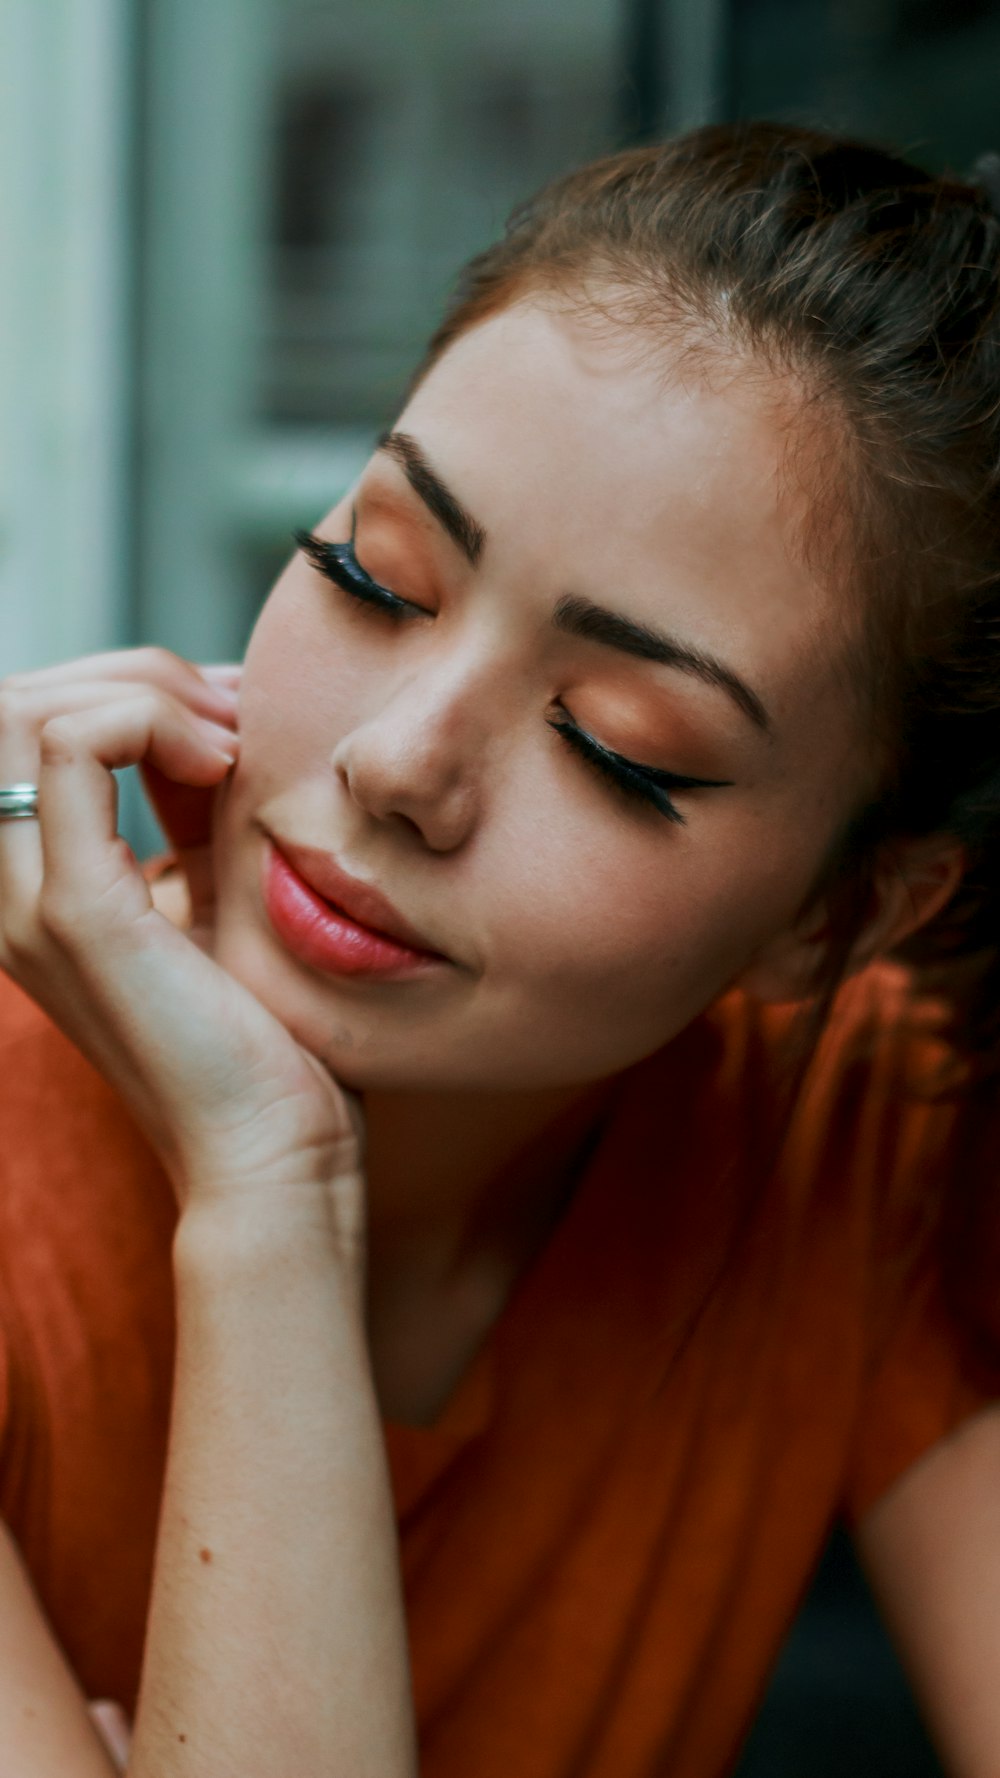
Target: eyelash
{"points": [[645, 784], [338, 563]]}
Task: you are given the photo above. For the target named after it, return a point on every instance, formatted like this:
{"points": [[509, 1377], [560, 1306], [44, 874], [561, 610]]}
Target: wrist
{"points": [[231, 1234]]}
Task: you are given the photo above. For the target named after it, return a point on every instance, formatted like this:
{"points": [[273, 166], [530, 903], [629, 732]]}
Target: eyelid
{"points": [[656, 774], [647, 784], [388, 593], [338, 563]]}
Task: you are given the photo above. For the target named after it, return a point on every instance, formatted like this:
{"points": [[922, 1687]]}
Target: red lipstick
{"points": [[336, 923]]}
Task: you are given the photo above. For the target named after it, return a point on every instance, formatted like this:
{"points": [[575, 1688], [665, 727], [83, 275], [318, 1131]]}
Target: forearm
{"points": [[276, 1639], [931, 1549]]}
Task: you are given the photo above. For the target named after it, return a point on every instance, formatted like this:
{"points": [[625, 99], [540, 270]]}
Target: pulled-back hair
{"points": [[877, 285]]}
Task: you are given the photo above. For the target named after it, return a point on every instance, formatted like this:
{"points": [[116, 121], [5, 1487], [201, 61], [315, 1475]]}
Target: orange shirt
{"points": [[607, 1532]]}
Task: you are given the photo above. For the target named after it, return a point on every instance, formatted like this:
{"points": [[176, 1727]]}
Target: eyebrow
{"points": [[573, 615], [436, 496], [580, 617]]}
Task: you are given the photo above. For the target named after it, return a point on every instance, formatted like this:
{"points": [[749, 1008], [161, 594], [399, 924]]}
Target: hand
{"points": [[184, 812], [233, 1106]]}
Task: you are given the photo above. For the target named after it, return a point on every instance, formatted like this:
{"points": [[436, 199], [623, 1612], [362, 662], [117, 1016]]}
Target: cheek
{"points": [[610, 915], [587, 904], [614, 937], [299, 683]]}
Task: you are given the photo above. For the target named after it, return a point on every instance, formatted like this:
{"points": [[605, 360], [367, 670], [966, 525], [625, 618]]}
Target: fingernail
{"points": [[223, 738], [222, 670]]}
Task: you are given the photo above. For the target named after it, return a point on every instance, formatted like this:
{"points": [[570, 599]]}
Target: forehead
{"points": [[664, 479]]}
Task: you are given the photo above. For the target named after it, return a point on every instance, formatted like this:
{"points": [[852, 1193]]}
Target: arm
{"points": [[286, 1651], [931, 1550], [275, 1639], [45, 1726]]}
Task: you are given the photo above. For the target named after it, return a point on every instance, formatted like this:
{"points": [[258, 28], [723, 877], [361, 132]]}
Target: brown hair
{"points": [[878, 285]]}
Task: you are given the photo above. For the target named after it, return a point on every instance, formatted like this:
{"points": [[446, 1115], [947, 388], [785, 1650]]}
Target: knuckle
{"points": [[147, 709], [156, 662], [58, 739], [12, 688]]}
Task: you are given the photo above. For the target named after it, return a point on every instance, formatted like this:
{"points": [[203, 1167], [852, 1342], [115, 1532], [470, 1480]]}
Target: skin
{"points": [[422, 758], [585, 930]]}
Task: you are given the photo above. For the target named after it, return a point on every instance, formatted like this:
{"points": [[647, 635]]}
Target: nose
{"points": [[420, 757]]}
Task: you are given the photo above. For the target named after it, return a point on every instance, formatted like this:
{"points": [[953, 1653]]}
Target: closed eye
{"points": [[338, 563], [646, 783]]}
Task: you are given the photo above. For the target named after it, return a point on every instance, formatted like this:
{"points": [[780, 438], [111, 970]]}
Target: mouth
{"points": [[335, 922]]}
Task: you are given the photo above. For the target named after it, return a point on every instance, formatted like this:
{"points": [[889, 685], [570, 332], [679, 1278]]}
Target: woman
{"points": [[645, 683]]}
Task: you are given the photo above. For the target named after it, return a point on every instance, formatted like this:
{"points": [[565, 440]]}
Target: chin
{"points": [[344, 1041]]}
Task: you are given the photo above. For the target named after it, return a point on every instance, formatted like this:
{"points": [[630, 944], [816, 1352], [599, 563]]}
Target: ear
{"points": [[913, 881]]}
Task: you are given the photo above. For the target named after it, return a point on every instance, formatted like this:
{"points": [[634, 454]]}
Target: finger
{"points": [[113, 1727], [21, 874], [185, 815], [26, 706], [20, 842], [84, 861], [210, 691], [184, 811]]}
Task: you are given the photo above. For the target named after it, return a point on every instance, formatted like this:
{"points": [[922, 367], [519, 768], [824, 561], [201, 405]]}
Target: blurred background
{"points": [[226, 228]]}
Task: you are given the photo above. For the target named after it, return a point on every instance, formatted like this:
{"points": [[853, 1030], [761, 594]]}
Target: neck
{"points": [[442, 1172], [464, 1191]]}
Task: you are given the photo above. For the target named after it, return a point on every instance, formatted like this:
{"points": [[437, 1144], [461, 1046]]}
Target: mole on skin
{"points": [[206, 1555]]}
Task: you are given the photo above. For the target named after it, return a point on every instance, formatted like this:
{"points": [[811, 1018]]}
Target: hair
{"points": [[876, 285]]}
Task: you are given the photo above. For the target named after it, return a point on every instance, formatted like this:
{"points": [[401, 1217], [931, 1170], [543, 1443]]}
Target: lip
{"points": [[334, 921]]}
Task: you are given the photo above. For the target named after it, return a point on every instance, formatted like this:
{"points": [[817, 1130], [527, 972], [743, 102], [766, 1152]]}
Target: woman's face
{"points": [[542, 474]]}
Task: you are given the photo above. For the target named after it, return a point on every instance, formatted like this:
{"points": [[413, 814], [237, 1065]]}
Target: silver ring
{"points": [[19, 802]]}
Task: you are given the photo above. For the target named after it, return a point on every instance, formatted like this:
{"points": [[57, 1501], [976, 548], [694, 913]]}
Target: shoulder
{"points": [[749, 1098], [753, 1061], [878, 1051], [876, 1014], [838, 1134]]}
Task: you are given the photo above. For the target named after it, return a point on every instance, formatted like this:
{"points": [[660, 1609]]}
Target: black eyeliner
{"points": [[646, 783], [337, 562]]}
